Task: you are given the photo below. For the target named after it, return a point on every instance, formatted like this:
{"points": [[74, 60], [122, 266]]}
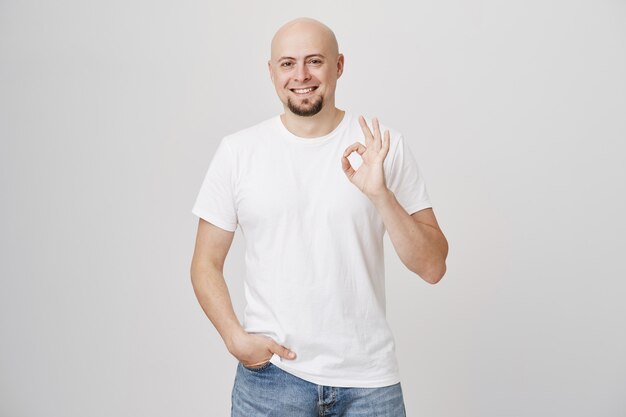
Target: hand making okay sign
{"points": [[369, 177]]}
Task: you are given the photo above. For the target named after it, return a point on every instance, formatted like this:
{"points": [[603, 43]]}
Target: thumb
{"points": [[346, 166], [282, 351]]}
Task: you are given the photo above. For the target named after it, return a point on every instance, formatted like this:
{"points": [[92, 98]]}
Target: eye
{"points": [[316, 61], [285, 64]]}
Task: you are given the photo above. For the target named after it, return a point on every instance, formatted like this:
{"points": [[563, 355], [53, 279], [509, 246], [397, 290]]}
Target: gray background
{"points": [[111, 111]]}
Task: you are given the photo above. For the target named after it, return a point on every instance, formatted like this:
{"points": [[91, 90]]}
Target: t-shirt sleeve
{"points": [[405, 179], [215, 202]]}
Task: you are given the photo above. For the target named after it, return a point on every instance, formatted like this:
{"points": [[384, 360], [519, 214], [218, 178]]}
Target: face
{"points": [[304, 69]]}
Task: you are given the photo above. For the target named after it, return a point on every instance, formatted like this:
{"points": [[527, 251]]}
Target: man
{"points": [[314, 339]]}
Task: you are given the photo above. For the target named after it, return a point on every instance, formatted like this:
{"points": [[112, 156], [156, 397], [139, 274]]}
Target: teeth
{"points": [[304, 90]]}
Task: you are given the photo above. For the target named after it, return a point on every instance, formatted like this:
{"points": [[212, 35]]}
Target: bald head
{"points": [[304, 66], [301, 31]]}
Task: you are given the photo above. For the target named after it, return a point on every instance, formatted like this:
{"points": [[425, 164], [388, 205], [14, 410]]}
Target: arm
{"points": [[207, 278], [417, 238]]}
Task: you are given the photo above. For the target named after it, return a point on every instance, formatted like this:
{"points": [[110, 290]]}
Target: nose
{"points": [[302, 73]]}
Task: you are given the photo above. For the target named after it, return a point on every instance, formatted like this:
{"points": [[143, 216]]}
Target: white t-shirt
{"points": [[315, 276]]}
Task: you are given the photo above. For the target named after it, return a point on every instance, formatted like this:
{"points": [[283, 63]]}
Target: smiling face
{"points": [[304, 66]]}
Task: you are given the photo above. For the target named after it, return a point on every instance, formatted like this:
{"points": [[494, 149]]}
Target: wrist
{"points": [[232, 340], [383, 197]]}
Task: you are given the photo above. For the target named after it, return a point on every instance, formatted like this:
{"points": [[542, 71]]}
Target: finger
{"points": [[369, 138], [385, 148], [356, 146], [282, 351], [377, 137], [257, 364]]}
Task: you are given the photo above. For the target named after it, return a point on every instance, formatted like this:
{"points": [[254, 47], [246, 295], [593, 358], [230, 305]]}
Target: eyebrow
{"points": [[308, 56]]}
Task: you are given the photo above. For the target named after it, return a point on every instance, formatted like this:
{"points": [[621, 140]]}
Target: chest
{"points": [[300, 186]]}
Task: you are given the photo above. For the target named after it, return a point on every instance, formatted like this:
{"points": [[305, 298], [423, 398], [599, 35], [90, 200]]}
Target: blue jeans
{"points": [[268, 391]]}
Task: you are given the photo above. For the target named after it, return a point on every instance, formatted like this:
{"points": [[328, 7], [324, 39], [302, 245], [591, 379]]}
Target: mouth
{"points": [[303, 91]]}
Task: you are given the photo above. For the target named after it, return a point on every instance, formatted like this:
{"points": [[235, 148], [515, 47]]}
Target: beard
{"points": [[311, 110]]}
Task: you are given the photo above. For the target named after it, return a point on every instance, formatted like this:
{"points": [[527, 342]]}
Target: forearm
{"points": [[421, 247], [214, 298]]}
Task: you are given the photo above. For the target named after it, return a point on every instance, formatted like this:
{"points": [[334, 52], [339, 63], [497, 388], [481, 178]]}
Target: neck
{"points": [[318, 125]]}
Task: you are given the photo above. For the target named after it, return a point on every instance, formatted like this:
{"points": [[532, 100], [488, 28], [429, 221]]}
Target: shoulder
{"points": [[253, 134]]}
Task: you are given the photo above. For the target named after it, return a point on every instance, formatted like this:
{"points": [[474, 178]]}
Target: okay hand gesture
{"points": [[369, 177]]}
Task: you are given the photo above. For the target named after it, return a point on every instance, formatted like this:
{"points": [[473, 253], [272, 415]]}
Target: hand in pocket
{"points": [[254, 351]]}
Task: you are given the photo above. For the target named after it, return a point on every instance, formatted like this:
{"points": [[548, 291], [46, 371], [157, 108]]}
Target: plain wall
{"points": [[110, 112]]}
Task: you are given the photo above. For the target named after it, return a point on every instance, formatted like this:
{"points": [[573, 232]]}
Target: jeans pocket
{"points": [[256, 368]]}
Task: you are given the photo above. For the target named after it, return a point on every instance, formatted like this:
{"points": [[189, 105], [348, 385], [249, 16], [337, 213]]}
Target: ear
{"points": [[340, 62], [269, 68]]}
